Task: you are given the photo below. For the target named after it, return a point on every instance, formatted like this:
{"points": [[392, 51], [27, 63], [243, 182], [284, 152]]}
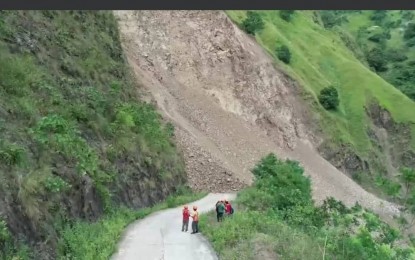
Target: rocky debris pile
{"points": [[205, 172]]}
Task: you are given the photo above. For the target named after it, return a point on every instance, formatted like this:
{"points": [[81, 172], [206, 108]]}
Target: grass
{"points": [[248, 234], [265, 226], [72, 124], [92, 241], [320, 59]]}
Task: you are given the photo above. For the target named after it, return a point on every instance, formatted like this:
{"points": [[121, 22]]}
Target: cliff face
{"points": [[76, 140]]}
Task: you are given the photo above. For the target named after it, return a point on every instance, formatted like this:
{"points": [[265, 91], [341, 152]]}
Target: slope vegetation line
{"points": [[226, 98], [158, 236]]}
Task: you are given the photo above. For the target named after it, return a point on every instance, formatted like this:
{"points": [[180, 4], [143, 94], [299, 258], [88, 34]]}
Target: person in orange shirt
{"points": [[195, 222], [186, 215]]}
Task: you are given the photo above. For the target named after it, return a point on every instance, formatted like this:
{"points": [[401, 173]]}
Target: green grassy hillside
{"points": [[76, 142], [320, 58], [390, 32]]}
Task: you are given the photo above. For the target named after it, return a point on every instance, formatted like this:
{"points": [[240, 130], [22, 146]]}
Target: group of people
{"points": [[223, 207], [195, 217]]}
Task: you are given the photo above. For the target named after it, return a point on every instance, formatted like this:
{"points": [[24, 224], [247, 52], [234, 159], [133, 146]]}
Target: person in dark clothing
{"points": [[220, 210], [216, 208]]}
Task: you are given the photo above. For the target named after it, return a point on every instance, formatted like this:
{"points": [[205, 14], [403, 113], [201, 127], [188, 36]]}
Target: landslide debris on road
{"points": [[224, 95]]}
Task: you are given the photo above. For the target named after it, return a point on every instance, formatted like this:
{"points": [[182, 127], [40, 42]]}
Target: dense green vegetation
{"points": [[324, 54], [76, 142], [329, 98], [388, 39], [284, 54], [252, 23], [277, 218]]}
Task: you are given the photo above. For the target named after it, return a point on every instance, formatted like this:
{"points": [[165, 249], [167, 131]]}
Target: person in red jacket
{"points": [[186, 215], [228, 208]]}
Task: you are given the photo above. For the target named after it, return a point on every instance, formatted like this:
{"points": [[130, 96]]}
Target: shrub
{"points": [[329, 19], [284, 54], [329, 98], [11, 154], [376, 60], [300, 230], [409, 31], [253, 23], [286, 14], [378, 16], [56, 184], [282, 183], [396, 55], [377, 37]]}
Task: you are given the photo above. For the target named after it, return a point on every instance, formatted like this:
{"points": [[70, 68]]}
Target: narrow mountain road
{"points": [[159, 236]]}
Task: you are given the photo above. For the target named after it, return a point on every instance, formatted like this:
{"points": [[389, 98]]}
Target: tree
{"points": [[284, 54], [378, 16], [397, 55], [286, 15], [253, 23], [329, 98], [329, 19], [376, 59], [409, 31], [407, 177]]}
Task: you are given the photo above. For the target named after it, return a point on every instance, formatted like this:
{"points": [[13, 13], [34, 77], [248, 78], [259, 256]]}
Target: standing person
{"points": [[186, 215], [217, 209], [195, 222], [228, 208], [220, 211]]}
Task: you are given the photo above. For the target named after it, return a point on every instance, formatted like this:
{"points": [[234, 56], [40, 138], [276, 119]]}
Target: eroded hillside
{"points": [[226, 98], [216, 83]]}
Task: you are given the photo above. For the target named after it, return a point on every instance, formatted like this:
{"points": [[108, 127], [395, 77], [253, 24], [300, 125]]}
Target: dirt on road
{"points": [[229, 103]]}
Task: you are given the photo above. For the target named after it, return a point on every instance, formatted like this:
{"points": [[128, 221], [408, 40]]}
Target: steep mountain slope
{"points": [[373, 131], [225, 96], [76, 142], [387, 38]]}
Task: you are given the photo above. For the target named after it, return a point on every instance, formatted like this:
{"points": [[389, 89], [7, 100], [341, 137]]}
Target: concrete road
{"points": [[159, 236]]}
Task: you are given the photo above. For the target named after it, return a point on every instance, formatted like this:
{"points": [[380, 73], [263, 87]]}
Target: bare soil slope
{"points": [[229, 104]]}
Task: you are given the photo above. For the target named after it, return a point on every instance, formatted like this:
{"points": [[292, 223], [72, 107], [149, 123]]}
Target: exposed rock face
{"points": [[393, 139]]}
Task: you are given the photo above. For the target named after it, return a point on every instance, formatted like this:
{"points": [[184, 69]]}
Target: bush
{"points": [[300, 230], [409, 31], [378, 16], [396, 55], [380, 37], [329, 19], [376, 60], [284, 182], [253, 23], [329, 98], [284, 54], [286, 14], [11, 154]]}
